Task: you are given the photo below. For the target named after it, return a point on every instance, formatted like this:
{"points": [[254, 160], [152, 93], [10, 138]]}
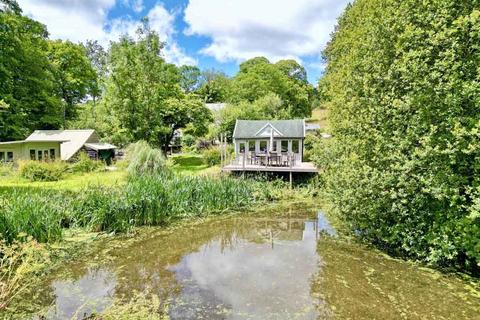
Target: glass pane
{"points": [[52, 154], [263, 146], [32, 154], [40, 153], [251, 145], [295, 146], [2, 156], [45, 154], [9, 156], [284, 145], [242, 147], [274, 146]]}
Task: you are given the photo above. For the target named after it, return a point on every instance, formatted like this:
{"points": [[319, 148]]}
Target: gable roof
{"points": [[75, 139], [248, 129]]}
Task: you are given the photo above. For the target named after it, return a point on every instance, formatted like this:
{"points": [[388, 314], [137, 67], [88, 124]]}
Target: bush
{"points": [[211, 156], [188, 140], [42, 171], [143, 159], [6, 169], [85, 164]]}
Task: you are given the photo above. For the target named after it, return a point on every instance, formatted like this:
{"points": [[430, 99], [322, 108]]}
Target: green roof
{"points": [[248, 129]]}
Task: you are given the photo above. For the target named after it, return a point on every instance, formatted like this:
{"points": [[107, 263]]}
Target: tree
{"points": [[190, 78], [98, 60], [401, 84], [26, 81], [258, 77], [144, 93], [73, 74], [10, 6], [214, 86]]}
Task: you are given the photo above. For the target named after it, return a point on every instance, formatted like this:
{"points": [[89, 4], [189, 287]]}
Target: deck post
{"points": [[291, 179]]}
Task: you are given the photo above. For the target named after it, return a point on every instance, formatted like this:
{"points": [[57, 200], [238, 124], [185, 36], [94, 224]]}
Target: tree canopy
{"points": [[402, 85]]}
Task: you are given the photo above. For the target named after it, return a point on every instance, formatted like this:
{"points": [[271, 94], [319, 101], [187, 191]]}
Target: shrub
{"points": [[85, 164], [42, 171], [144, 159], [188, 140], [6, 169], [211, 156]]}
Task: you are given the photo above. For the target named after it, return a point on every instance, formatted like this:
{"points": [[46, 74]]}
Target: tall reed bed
{"points": [[147, 199]]}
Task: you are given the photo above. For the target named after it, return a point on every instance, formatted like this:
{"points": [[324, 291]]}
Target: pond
{"points": [[286, 263]]}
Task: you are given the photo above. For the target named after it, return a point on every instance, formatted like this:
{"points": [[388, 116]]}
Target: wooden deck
{"points": [[298, 167]]}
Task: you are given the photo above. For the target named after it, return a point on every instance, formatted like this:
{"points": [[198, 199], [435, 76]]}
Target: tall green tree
{"points": [[287, 79], [26, 82], [98, 60], [214, 86], [190, 78], [73, 74], [144, 91], [402, 85]]}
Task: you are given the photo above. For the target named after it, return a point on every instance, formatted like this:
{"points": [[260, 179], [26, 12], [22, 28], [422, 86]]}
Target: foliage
{"points": [[211, 156], [84, 164], [144, 94], [41, 171], [188, 140], [215, 86], [19, 262], [402, 85], [27, 85], [6, 169], [143, 159], [72, 71], [190, 78], [258, 78]]}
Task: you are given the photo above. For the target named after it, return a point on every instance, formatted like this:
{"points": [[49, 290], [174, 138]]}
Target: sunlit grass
{"points": [[70, 182]]}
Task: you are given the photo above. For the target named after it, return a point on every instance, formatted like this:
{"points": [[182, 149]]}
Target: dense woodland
{"points": [[402, 87]]}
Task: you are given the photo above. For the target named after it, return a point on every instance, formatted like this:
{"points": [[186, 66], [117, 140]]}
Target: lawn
{"points": [[192, 164], [69, 182]]}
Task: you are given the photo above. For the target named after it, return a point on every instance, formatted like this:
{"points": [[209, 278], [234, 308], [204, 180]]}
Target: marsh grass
{"points": [[144, 200]]}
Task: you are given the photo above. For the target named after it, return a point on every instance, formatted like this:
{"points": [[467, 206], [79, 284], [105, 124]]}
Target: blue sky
{"points": [[217, 34]]}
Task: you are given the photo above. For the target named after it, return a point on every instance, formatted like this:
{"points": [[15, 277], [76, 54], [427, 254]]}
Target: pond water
{"points": [[287, 263]]}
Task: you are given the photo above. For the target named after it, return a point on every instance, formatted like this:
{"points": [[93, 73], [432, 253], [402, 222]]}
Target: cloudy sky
{"points": [[209, 33]]}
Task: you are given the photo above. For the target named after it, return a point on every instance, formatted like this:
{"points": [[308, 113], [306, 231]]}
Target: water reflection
{"points": [[255, 279], [281, 265], [255, 267]]}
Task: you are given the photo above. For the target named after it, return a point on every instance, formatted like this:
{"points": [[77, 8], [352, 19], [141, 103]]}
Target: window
{"points": [[284, 145], [40, 155], [263, 146], [241, 147], [251, 145], [9, 156], [45, 155], [52, 154], [32, 154], [2, 156], [295, 146]]}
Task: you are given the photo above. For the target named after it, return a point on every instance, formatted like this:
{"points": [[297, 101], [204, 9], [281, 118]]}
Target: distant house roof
{"points": [[215, 106], [100, 146], [75, 139], [248, 129]]}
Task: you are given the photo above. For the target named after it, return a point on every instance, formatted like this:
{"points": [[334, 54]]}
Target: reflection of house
{"points": [[269, 145], [57, 144]]}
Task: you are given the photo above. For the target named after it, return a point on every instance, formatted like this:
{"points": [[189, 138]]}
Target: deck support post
{"points": [[291, 179]]}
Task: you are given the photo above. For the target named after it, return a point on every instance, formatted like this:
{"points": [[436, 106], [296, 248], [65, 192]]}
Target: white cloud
{"points": [[81, 20], [277, 29]]}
